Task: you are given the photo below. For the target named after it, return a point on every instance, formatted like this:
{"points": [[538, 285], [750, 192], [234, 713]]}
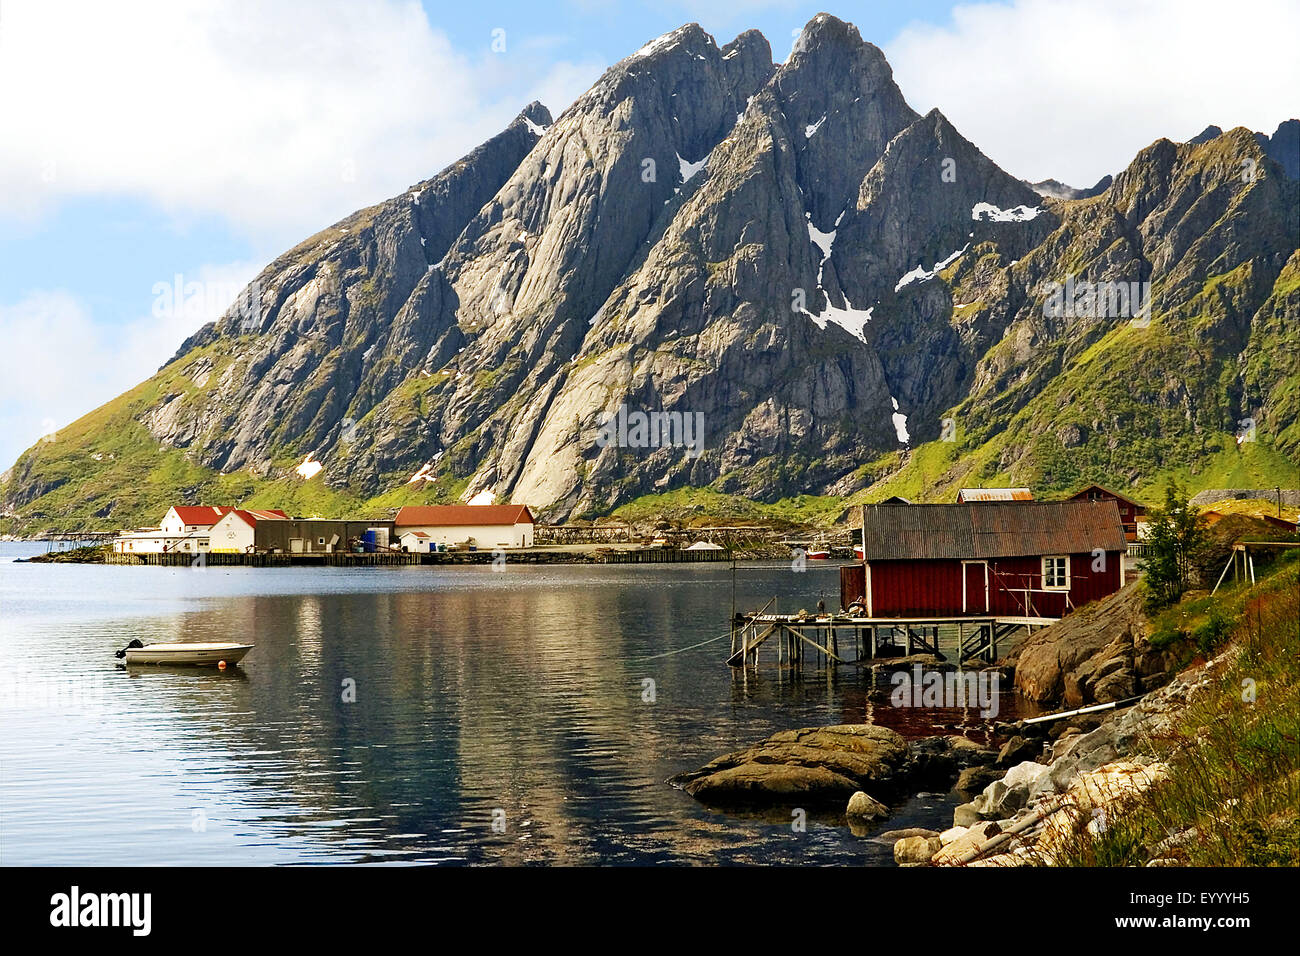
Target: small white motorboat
{"points": [[210, 654]]}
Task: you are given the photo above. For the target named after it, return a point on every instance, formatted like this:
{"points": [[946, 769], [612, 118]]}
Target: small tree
{"points": [[1177, 535]]}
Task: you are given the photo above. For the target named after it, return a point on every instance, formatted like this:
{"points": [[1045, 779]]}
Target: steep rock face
{"points": [[933, 202], [598, 189], [705, 323], [1283, 147], [342, 318]]}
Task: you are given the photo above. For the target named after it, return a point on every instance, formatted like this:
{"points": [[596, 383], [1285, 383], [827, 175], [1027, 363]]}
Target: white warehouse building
{"points": [[424, 527]]}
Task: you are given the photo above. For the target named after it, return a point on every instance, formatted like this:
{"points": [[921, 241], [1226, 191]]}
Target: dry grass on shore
{"points": [[1232, 796]]}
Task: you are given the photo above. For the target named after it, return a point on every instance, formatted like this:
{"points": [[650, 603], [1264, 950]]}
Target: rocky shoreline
{"points": [[1026, 799], [1088, 771]]}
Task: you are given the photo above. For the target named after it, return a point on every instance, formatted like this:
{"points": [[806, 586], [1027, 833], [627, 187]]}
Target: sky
{"points": [[154, 156]]}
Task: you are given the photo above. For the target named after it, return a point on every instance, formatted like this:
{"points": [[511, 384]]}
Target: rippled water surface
{"points": [[476, 692]]}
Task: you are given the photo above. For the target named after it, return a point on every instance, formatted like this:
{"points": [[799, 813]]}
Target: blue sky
{"points": [[156, 143]]}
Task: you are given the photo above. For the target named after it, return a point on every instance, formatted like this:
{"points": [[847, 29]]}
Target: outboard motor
{"points": [[135, 642]]}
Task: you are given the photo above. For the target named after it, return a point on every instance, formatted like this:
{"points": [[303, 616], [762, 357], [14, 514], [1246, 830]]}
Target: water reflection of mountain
{"points": [[522, 693]]}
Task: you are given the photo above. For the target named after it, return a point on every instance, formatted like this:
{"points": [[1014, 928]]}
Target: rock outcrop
{"points": [[816, 765], [1099, 654]]}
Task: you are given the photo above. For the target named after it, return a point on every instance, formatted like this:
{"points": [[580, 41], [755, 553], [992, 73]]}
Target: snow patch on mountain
{"points": [[922, 274], [688, 169], [987, 212], [851, 320], [900, 423], [308, 468]]}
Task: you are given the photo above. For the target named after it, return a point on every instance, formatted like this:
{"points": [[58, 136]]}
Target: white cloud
{"points": [[58, 362], [1073, 89], [278, 117]]}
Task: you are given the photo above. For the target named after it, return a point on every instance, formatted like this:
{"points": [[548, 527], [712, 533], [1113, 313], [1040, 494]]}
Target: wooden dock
{"points": [[831, 636]]}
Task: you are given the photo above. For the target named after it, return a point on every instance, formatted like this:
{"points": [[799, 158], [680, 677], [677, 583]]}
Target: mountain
{"points": [[850, 298], [1055, 189], [1283, 147], [1204, 136]]}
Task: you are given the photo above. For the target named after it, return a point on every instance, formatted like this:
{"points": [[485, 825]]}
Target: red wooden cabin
{"points": [[1130, 511], [1007, 559]]}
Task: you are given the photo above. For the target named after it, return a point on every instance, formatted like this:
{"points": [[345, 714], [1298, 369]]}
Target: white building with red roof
{"points": [[184, 529], [187, 519], [424, 527], [236, 531]]}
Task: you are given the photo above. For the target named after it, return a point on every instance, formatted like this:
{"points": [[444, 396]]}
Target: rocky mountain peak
{"points": [[827, 34], [1055, 189], [1283, 147], [790, 253], [533, 115], [837, 100]]}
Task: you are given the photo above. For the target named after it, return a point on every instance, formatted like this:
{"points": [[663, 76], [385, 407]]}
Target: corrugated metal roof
{"points": [[999, 529], [453, 516], [994, 494]]}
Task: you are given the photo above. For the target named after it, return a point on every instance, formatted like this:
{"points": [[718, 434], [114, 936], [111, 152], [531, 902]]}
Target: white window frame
{"points": [[1056, 557]]}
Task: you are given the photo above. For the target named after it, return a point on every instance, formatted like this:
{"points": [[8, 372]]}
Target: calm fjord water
{"points": [[475, 691]]}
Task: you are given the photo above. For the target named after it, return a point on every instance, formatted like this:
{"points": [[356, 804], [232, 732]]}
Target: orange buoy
{"points": [[221, 665]]}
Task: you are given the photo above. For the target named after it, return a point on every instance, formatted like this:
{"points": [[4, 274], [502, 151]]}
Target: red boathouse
{"points": [[1009, 559]]}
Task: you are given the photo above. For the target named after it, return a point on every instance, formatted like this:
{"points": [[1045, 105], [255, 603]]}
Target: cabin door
{"points": [[975, 587]]}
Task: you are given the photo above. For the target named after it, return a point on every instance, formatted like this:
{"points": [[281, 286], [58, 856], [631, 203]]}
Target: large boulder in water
{"points": [[814, 765]]}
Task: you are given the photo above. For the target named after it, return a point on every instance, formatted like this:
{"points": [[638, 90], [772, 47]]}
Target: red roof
{"points": [[201, 514], [251, 518], [211, 514], [459, 516]]}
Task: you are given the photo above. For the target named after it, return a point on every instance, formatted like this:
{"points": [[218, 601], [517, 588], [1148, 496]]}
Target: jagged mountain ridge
{"points": [[475, 328]]}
